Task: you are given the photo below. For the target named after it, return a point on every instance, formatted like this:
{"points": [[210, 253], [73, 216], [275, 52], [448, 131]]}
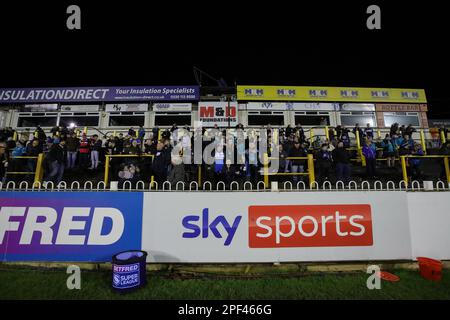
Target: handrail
{"points": [[309, 172], [404, 165], [220, 186], [38, 172]]}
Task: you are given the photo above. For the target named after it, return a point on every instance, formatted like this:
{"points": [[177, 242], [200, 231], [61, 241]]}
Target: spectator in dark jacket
{"points": [[150, 146], [73, 144], [415, 163], [300, 133], [132, 132], [283, 162], [341, 159], [40, 134], [409, 130], [289, 131], [161, 163], [3, 161], [33, 149], [56, 158], [343, 135], [324, 162], [406, 146], [368, 131], [298, 165], [394, 129], [358, 129], [119, 142], [389, 151]]}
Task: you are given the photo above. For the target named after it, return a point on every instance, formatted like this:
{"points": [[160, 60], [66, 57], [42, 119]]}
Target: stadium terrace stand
{"points": [[200, 175], [90, 139]]}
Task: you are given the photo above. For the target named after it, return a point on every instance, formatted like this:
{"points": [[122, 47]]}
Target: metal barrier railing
{"points": [[403, 160], [310, 169], [108, 160], [38, 172], [338, 186]]}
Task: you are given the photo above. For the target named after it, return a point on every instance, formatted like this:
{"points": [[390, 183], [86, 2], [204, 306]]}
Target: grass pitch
{"points": [[28, 283]]}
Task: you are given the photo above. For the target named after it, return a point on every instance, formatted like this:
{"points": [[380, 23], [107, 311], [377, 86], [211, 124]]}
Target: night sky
{"points": [[244, 42]]}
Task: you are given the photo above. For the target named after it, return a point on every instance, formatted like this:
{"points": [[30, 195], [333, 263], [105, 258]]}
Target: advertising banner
{"points": [[78, 108], [357, 107], [132, 107], [99, 94], [224, 227], [221, 114], [430, 220], [401, 107], [40, 107], [68, 226], [276, 227], [172, 107], [292, 106], [332, 94]]}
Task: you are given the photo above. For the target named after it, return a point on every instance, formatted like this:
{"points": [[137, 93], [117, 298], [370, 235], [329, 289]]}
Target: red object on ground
{"points": [[430, 269], [388, 276]]}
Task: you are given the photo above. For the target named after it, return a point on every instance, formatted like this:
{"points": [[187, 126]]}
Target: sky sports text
{"points": [[289, 226]]}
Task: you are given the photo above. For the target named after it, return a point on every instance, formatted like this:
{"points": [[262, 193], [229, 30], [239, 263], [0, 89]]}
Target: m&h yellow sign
{"points": [[330, 94]]}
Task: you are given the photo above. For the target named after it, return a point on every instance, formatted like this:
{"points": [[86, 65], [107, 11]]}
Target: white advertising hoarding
{"points": [[261, 227], [429, 216], [292, 106], [131, 107], [41, 107], [172, 107], [358, 107], [80, 108]]}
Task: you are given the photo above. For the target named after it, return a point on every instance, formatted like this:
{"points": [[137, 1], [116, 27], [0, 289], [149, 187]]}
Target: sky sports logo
{"points": [[310, 226], [289, 226]]}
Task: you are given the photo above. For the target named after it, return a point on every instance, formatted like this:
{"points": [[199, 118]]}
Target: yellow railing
{"points": [[39, 171], [404, 166], [309, 173], [359, 149], [108, 160], [363, 159]]}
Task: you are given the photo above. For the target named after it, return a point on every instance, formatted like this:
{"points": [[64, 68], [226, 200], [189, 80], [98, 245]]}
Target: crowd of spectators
{"points": [[140, 154]]}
